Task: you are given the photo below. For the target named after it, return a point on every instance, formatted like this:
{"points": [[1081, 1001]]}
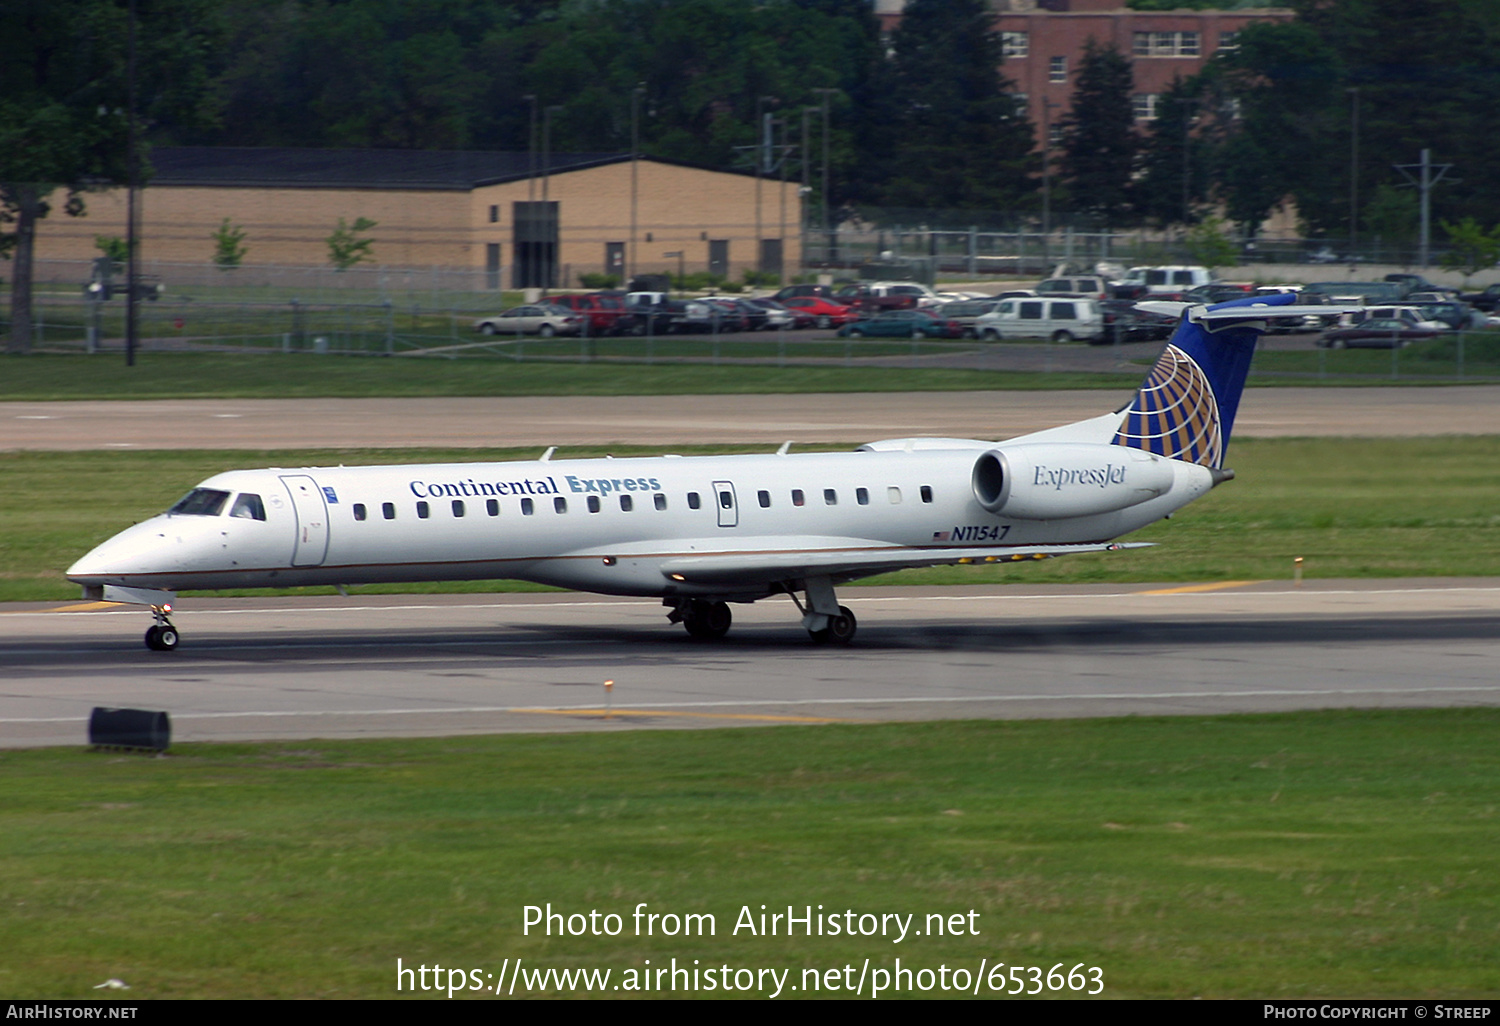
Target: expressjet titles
{"points": [[1109, 475], [545, 486]]}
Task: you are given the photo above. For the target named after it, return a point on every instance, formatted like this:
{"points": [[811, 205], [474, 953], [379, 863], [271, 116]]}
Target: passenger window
{"points": [[249, 507], [527, 507], [626, 504], [694, 502], [423, 511], [927, 493], [492, 507], [660, 500], [359, 511], [862, 496], [458, 507], [764, 498], [797, 497], [388, 510], [1031, 311], [1063, 312], [726, 500], [1006, 308], [830, 497], [559, 504], [893, 494], [593, 501]]}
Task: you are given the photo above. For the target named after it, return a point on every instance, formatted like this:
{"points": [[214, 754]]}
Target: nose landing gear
{"points": [[162, 635]]}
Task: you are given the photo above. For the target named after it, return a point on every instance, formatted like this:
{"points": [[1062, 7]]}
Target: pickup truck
{"points": [[886, 295]]}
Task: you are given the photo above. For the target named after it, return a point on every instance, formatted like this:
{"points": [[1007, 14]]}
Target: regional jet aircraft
{"points": [[701, 532]]}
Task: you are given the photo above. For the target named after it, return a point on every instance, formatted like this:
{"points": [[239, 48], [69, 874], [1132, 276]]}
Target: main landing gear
{"points": [[824, 619], [161, 636]]}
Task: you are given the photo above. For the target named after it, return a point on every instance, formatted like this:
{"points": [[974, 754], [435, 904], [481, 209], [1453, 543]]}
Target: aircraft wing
{"points": [[856, 558]]}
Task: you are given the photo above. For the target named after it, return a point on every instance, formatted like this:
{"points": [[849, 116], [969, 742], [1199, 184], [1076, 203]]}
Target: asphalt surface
{"points": [[696, 419], [434, 665]]}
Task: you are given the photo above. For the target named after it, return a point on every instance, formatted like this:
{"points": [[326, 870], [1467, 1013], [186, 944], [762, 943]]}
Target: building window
{"points": [[494, 214], [1054, 135], [1145, 105], [1014, 45], [1165, 44], [1023, 104], [1057, 69], [1229, 40]]}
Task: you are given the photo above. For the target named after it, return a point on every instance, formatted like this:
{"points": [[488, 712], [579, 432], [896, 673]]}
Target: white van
{"points": [[1169, 278], [1061, 320]]}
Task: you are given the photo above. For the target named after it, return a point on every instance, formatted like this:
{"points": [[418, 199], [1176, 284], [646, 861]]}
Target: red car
{"points": [[604, 315], [824, 312]]}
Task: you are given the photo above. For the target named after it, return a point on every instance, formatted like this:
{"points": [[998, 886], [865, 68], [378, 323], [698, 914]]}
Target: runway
{"points": [[268, 668]]}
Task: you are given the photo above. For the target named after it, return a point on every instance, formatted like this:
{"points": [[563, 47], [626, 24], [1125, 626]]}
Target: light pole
{"points": [[1353, 92], [1046, 179], [635, 153], [531, 150], [550, 270], [760, 162], [825, 94]]}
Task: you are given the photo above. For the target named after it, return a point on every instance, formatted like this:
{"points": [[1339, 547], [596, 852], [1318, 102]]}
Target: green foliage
{"points": [[1173, 153], [759, 279], [1209, 245], [229, 247], [697, 281], [346, 248], [1470, 247], [113, 247], [1099, 140], [1392, 216], [599, 281]]}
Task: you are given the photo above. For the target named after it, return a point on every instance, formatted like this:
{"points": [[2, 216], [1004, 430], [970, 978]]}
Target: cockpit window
{"points": [[201, 502], [249, 506]]}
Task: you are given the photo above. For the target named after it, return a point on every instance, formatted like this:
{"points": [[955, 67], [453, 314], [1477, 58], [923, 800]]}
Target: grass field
{"points": [[1349, 507], [1345, 854]]}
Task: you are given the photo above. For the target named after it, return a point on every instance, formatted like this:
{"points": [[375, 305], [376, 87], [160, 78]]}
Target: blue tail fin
{"points": [[1185, 408]]}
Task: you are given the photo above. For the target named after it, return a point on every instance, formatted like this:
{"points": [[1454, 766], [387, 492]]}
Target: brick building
{"points": [[1044, 45], [501, 212]]}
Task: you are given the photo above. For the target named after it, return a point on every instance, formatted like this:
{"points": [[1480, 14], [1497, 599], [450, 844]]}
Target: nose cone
{"points": [[145, 550]]}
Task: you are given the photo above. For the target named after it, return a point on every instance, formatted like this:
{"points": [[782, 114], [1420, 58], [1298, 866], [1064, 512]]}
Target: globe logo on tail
{"points": [[1175, 413]]}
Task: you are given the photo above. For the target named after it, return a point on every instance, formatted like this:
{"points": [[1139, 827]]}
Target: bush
{"points": [[593, 282], [697, 281], [760, 279]]}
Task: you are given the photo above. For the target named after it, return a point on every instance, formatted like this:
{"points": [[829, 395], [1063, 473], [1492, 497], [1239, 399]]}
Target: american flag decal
{"points": [[941, 535], [1175, 413]]}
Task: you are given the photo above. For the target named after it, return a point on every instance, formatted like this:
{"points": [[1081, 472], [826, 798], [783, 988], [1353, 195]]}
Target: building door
{"points": [[312, 519], [614, 259], [534, 245], [770, 256], [492, 265], [718, 257]]}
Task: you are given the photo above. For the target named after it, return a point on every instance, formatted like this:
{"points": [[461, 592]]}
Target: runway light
{"points": [[965, 560]]}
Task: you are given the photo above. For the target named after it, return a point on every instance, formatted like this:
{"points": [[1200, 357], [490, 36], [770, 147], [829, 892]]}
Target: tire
{"points": [[856, 333], [487, 329], [989, 335], [825, 321], [840, 629], [546, 331], [708, 621], [1062, 336], [166, 638]]}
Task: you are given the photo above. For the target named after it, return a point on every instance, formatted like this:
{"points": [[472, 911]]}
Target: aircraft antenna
{"points": [[548, 454], [786, 447]]}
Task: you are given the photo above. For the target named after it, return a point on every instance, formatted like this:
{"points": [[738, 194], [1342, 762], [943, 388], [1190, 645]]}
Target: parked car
{"points": [[794, 291], [902, 324], [751, 316], [1351, 292], [824, 312], [541, 319], [1409, 283], [1451, 313], [1060, 319], [1083, 285], [779, 316], [1219, 292], [886, 295], [147, 286], [1123, 322], [602, 314], [1377, 333], [967, 313], [1488, 300], [1168, 278], [1412, 315]]}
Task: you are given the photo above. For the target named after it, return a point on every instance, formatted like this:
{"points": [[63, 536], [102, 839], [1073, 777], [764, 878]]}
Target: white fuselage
{"points": [[619, 526]]}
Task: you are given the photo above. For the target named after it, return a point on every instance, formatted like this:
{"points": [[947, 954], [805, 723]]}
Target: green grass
{"points": [[1345, 854], [44, 377], [1349, 507]]}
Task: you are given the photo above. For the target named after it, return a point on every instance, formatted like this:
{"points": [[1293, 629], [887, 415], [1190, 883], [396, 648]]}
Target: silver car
{"points": [[534, 319]]}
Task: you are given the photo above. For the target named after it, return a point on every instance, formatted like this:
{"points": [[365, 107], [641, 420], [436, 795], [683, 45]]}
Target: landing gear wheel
{"points": [[707, 620], [840, 629], [161, 638]]}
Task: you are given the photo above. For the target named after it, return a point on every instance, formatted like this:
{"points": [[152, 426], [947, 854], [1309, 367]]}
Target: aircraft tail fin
{"points": [[1185, 407]]}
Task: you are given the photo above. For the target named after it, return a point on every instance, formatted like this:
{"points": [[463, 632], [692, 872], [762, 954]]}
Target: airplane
{"points": [[701, 532]]}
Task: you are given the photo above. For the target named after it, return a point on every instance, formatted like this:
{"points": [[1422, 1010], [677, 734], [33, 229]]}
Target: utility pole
{"points": [[1424, 183], [132, 217], [531, 151], [635, 153], [1353, 92], [762, 127]]}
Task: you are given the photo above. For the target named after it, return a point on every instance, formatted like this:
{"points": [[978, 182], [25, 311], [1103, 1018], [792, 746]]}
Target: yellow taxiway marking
{"points": [[1186, 589], [86, 607], [607, 713]]}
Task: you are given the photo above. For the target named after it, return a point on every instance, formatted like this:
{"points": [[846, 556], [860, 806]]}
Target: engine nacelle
{"points": [[1053, 482]]}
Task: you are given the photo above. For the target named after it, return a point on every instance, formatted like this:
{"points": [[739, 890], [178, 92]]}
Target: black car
{"points": [[1487, 300], [1124, 323]]}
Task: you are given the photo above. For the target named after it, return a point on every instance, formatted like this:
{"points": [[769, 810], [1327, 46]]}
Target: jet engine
{"points": [[1053, 482]]}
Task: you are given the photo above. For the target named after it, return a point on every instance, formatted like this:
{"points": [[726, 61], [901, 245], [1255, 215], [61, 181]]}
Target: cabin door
{"points": [[729, 513], [312, 520]]}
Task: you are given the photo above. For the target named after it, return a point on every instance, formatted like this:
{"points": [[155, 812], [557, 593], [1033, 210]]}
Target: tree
{"points": [[346, 248], [949, 132], [114, 247], [1208, 245], [1175, 162], [1099, 140], [1392, 216], [229, 245], [1470, 247]]}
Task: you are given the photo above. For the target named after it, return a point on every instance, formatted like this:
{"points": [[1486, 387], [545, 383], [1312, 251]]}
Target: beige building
{"points": [[497, 212]]}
